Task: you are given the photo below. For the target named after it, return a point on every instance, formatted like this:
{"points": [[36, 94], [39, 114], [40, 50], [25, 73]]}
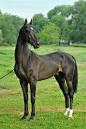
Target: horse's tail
{"points": [[75, 78]]}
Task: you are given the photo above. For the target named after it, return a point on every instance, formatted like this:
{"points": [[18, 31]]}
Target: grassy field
{"points": [[50, 105]]}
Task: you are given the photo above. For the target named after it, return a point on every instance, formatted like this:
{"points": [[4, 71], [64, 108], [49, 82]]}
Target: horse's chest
{"points": [[23, 73], [19, 71]]}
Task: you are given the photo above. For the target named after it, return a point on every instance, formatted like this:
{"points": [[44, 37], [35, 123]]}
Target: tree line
{"points": [[9, 28], [64, 22]]}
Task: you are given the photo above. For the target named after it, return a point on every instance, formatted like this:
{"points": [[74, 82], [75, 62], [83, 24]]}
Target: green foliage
{"points": [[9, 28], [62, 23], [78, 22], [1, 39], [0, 19], [39, 20], [58, 10], [71, 21], [49, 34], [18, 23]]}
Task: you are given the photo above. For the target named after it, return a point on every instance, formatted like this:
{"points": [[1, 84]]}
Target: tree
{"points": [[1, 39], [49, 34], [0, 19], [78, 22], [62, 23], [59, 16], [8, 29], [39, 20], [18, 23], [60, 11]]}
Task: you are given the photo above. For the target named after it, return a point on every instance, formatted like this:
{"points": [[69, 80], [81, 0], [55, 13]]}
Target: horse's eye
{"points": [[31, 28]]}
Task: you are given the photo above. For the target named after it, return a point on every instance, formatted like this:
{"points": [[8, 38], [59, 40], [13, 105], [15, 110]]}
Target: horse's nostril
{"points": [[38, 43]]}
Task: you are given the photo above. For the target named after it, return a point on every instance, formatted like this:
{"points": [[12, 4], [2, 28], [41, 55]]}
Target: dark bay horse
{"points": [[31, 67]]}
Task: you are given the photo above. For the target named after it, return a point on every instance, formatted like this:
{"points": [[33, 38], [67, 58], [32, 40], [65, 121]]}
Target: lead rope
{"points": [[6, 74]]}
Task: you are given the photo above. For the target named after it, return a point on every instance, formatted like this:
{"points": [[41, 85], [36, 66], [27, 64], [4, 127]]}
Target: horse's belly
{"points": [[47, 74], [48, 70]]}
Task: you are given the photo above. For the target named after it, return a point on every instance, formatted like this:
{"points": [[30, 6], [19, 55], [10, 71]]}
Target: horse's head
{"points": [[29, 35]]}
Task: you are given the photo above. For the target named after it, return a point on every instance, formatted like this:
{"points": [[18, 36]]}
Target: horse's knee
{"points": [[65, 92], [25, 99], [32, 99], [66, 96]]}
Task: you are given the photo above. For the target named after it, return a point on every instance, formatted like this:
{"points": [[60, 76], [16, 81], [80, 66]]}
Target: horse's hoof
{"points": [[23, 118], [65, 115], [31, 120], [69, 118]]}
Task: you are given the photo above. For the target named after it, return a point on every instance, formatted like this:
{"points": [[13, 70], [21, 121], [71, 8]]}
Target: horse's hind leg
{"points": [[71, 93], [61, 80]]}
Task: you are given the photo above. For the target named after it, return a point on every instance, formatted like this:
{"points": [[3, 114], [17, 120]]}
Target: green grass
{"points": [[50, 105]]}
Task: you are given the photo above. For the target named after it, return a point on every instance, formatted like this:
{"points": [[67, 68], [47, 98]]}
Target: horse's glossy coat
{"points": [[31, 67]]}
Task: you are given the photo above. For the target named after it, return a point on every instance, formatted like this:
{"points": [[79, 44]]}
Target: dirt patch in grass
{"points": [[39, 110], [9, 91], [83, 65], [4, 89]]}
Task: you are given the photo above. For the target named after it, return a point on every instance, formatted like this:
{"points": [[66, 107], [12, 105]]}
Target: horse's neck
{"points": [[21, 50]]}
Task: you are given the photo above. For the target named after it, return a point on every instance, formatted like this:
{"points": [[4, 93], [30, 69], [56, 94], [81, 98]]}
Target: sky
{"points": [[28, 8]]}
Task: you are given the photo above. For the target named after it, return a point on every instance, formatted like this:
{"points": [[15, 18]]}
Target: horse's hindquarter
{"points": [[68, 64], [49, 65]]}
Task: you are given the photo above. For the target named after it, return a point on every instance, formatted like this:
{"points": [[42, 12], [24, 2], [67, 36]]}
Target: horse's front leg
{"points": [[24, 86], [33, 92]]}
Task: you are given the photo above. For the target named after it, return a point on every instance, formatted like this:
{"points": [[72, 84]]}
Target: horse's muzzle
{"points": [[37, 45]]}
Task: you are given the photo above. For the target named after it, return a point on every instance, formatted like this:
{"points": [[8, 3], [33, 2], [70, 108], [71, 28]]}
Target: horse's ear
{"points": [[31, 22], [25, 22]]}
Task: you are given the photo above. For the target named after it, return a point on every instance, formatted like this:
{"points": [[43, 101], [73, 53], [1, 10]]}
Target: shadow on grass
{"points": [[82, 46]]}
